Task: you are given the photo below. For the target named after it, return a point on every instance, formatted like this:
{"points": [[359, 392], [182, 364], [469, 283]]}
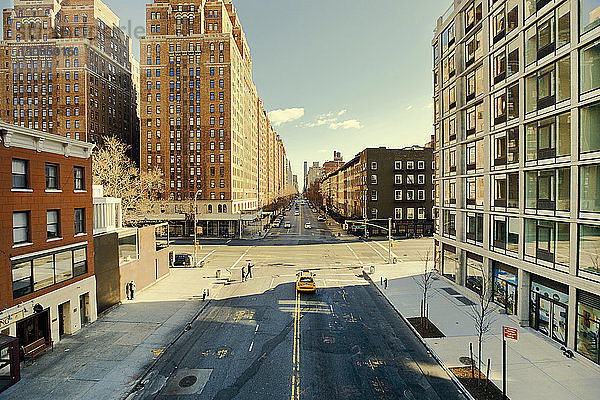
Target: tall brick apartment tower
{"points": [[66, 69], [200, 109]]}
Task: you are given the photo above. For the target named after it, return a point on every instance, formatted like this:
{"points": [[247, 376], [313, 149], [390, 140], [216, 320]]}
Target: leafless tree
{"points": [[483, 315], [425, 281], [117, 173]]}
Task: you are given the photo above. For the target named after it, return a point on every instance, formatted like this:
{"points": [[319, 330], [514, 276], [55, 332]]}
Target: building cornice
{"points": [[30, 139]]}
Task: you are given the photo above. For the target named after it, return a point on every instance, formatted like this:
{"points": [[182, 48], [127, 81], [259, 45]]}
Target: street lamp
{"points": [[199, 191]]}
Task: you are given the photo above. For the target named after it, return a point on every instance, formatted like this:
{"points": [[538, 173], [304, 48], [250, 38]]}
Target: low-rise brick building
{"points": [[47, 283]]}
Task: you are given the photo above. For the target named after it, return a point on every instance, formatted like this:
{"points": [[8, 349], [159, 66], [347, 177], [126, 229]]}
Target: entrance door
{"points": [[83, 308], [559, 323], [64, 320], [544, 315], [33, 328]]}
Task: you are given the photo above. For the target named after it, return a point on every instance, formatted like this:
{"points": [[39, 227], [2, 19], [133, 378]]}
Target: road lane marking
{"points": [[256, 330], [386, 249], [350, 248], [242, 256], [296, 351], [251, 345], [376, 251], [208, 255]]}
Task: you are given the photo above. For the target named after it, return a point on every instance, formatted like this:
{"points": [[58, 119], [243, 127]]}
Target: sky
{"points": [[334, 74]]}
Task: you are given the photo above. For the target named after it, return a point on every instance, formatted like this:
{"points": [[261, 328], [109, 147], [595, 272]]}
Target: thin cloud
{"points": [[282, 116], [342, 112], [348, 124], [409, 108]]}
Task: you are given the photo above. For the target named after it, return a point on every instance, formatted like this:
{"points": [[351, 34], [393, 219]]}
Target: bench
{"points": [[35, 348]]}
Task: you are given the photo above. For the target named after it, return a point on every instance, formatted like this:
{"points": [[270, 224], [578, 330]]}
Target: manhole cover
{"points": [[466, 360], [188, 381]]}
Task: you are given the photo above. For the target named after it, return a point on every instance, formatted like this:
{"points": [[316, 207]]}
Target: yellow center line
{"points": [[296, 351]]}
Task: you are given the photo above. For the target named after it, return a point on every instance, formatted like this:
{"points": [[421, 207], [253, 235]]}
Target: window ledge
{"points": [[22, 245], [79, 191], [53, 191], [22, 190], [80, 234], [53, 239]]}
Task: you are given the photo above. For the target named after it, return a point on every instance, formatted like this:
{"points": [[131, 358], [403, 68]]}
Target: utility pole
{"points": [[390, 240], [199, 191]]}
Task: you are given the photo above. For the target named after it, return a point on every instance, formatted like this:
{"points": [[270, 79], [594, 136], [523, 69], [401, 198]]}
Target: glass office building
{"points": [[517, 155]]}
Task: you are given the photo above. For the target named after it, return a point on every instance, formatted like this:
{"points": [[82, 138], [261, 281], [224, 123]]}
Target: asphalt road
{"points": [[262, 340]]}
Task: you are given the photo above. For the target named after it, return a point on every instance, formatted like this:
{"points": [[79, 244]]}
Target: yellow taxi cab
{"points": [[305, 281]]}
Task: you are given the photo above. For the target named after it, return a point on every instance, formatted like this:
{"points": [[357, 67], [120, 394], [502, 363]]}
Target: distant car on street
{"points": [[320, 218], [297, 213], [287, 225], [307, 225]]}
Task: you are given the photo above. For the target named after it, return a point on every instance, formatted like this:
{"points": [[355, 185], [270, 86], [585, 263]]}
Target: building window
{"points": [[398, 165], [374, 165], [589, 66], [398, 213], [548, 138], [420, 195], [589, 185], [52, 224], [79, 221], [547, 242], [51, 176], [374, 195], [20, 174], [506, 190], [373, 179], [449, 220], [21, 232], [589, 128], [79, 178], [588, 15], [475, 228], [548, 86], [398, 179], [548, 189], [398, 195], [410, 213]]}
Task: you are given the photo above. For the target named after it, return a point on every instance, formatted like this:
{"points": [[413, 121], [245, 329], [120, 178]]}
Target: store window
{"points": [[549, 308], [505, 283], [475, 274], [449, 262], [588, 325]]}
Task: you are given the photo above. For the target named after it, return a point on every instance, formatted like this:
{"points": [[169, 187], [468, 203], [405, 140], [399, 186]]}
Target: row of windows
{"points": [[398, 165], [410, 179], [22, 225], [21, 176]]}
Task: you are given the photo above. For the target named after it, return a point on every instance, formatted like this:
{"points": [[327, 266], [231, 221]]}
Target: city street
{"points": [[259, 339]]}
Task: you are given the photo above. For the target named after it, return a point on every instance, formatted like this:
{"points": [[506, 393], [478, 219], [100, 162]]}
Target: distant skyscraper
{"points": [[305, 175]]}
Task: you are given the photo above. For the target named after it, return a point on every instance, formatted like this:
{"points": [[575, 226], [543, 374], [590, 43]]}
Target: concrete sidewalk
{"points": [[537, 368], [105, 359]]}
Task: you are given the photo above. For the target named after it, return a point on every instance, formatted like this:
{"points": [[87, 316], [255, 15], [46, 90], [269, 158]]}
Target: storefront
{"points": [[449, 262], [9, 361], [548, 308], [35, 327], [505, 287], [588, 325], [474, 272]]}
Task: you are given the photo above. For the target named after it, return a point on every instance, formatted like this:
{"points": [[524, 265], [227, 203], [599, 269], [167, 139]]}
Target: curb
{"points": [[139, 382], [453, 377]]}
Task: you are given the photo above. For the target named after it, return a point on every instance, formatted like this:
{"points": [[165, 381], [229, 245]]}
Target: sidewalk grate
{"points": [[465, 301], [450, 291]]}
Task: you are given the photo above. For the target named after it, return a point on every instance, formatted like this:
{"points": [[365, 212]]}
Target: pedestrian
{"points": [[128, 290], [243, 274], [132, 289], [249, 270], [385, 283], [204, 295]]}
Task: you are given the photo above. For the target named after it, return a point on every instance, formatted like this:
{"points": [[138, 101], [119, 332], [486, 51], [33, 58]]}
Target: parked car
{"points": [[307, 225], [182, 260], [287, 225], [320, 218]]}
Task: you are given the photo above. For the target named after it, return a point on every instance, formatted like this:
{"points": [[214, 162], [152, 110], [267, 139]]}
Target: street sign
{"points": [[510, 333]]}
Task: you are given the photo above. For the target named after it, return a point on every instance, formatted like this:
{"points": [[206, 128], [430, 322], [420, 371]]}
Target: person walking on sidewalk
{"points": [[249, 275], [132, 289], [243, 274], [128, 290]]}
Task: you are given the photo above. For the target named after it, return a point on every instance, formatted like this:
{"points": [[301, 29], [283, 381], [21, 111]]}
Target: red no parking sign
{"points": [[510, 333]]}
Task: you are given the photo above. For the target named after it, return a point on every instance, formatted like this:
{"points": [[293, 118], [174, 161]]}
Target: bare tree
{"points": [[117, 173], [425, 281], [482, 315]]}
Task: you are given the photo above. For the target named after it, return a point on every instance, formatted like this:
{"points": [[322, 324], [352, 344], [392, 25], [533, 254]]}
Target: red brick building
{"points": [[66, 69], [47, 283]]}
